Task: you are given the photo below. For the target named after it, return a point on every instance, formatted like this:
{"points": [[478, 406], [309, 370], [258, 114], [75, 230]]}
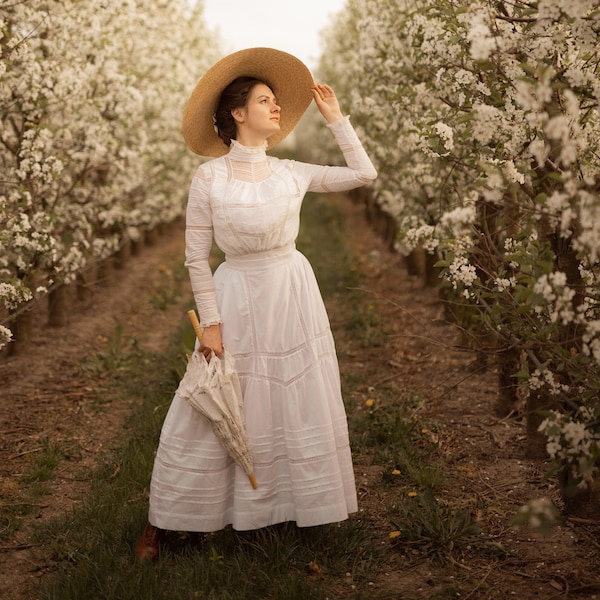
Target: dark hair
{"points": [[235, 95]]}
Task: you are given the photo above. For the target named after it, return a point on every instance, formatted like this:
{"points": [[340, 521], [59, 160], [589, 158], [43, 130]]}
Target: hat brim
{"points": [[286, 75]]}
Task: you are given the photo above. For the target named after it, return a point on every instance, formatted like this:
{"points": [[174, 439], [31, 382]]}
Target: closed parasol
{"points": [[212, 388]]}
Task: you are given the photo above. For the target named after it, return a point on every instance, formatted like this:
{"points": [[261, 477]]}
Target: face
{"points": [[259, 119]]}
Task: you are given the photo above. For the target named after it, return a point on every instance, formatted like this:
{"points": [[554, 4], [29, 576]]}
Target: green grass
{"points": [[435, 527], [167, 288], [25, 495], [44, 464], [91, 549], [321, 240], [115, 357]]}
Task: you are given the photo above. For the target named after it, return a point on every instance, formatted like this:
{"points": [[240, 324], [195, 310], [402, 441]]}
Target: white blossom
{"points": [[446, 135], [5, 336], [480, 37]]}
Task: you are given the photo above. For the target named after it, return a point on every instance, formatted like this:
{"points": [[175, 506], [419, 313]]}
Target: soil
{"points": [[48, 398]]}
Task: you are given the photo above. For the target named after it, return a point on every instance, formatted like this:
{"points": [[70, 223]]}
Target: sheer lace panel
{"points": [[251, 172]]}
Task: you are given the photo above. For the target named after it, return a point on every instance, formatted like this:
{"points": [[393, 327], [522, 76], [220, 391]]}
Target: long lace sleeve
{"points": [[198, 244], [359, 170]]}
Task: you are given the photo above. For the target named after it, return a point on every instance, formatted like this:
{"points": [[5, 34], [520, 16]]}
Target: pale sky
{"points": [[293, 27]]}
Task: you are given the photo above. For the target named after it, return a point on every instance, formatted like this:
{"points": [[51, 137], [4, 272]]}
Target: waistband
{"points": [[261, 260]]}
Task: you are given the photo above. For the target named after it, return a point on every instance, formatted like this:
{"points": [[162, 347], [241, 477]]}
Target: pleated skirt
{"points": [[276, 327]]}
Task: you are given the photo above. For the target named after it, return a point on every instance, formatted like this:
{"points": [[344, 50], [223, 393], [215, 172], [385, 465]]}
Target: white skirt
{"points": [[276, 327]]}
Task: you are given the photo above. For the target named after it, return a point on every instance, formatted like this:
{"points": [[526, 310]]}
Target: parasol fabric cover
{"points": [[212, 388]]}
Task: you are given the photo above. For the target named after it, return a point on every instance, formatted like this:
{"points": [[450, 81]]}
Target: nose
{"points": [[276, 107]]}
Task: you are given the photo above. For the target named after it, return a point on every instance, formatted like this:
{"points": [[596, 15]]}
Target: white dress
{"points": [[274, 323]]}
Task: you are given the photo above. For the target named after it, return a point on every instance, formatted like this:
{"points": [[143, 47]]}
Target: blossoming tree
{"points": [[91, 96], [482, 117]]}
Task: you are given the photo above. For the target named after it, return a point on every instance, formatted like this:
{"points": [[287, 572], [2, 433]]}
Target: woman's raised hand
{"points": [[327, 102]]}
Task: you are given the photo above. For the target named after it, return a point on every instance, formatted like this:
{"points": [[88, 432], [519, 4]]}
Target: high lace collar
{"points": [[247, 153], [248, 163]]}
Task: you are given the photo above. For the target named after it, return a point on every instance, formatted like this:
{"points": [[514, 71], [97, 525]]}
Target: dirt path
{"points": [[483, 454], [50, 399]]}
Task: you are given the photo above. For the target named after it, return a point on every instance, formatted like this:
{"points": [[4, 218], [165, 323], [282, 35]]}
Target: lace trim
{"points": [[248, 164], [250, 172], [205, 324]]}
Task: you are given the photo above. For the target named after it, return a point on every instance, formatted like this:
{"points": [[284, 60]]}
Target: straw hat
{"points": [[287, 76]]}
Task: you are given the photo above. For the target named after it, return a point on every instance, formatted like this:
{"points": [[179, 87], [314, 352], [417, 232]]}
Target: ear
{"points": [[238, 114]]}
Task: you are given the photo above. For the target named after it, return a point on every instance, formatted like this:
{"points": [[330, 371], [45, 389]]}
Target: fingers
{"points": [[207, 351], [324, 91]]}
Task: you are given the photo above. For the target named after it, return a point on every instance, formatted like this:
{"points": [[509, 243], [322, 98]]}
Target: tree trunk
{"points": [[138, 244], [415, 262], [151, 237], [21, 331], [583, 504], [432, 273], [85, 282], [123, 254], [105, 273], [380, 221], [57, 306], [508, 365]]}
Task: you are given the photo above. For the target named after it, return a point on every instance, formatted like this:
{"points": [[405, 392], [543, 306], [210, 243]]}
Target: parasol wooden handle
{"points": [[195, 323], [252, 479]]}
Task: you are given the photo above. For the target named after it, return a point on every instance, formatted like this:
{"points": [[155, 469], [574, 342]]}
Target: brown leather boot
{"points": [[147, 547]]}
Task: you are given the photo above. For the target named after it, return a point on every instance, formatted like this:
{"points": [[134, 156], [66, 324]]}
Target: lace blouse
{"points": [[250, 202]]}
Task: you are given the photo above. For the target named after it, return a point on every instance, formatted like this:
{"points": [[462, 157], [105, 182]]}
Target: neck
{"points": [[250, 140]]}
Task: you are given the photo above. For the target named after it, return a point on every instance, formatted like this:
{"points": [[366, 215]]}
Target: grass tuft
{"points": [[435, 528]]}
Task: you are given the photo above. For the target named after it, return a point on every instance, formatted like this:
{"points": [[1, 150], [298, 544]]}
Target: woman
{"points": [[263, 304]]}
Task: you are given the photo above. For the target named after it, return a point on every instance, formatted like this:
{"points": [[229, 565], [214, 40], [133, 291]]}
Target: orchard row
{"points": [[91, 98], [482, 117]]}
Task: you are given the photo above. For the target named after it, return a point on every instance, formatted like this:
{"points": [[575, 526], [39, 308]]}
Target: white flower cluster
{"points": [[486, 122], [462, 273], [34, 164], [504, 284], [5, 335], [574, 441], [423, 235], [14, 294], [591, 339], [480, 37], [556, 297], [587, 240], [545, 379], [539, 514], [446, 136], [459, 220]]}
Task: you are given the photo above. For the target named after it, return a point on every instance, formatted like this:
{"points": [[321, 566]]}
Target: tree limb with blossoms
{"points": [[482, 117]]}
